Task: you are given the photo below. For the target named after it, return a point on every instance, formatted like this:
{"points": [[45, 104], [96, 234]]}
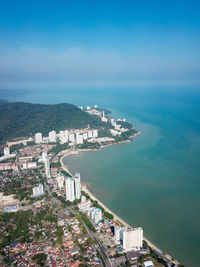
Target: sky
{"points": [[98, 42]]}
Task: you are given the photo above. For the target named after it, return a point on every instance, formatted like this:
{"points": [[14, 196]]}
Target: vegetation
{"points": [[65, 173], [88, 145], [105, 213], [59, 234], [56, 149], [23, 119], [40, 259], [18, 229], [88, 222]]}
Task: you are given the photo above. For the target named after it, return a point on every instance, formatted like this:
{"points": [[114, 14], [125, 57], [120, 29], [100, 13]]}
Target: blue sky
{"points": [[99, 42]]}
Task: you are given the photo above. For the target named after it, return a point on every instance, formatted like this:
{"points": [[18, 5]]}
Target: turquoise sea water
{"points": [[154, 181]]}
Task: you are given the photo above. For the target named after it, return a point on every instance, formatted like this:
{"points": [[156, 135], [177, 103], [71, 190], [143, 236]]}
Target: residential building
{"points": [[118, 234], [77, 183], [96, 215], [71, 137], [95, 133], [52, 137], [47, 167], [84, 206], [38, 190], [132, 239], [60, 181], [38, 138], [6, 151], [69, 185]]}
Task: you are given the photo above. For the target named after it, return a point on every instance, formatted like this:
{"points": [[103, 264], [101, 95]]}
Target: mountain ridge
{"points": [[22, 119]]}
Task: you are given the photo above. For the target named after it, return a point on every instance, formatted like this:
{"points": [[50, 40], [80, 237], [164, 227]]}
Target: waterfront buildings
{"points": [[6, 151], [38, 138], [38, 190], [132, 239], [96, 215], [103, 118], [84, 206], [60, 181], [79, 138], [52, 137], [77, 184], [73, 187], [70, 193], [118, 234]]}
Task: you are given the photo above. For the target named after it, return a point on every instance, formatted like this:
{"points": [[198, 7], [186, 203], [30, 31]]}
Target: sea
{"points": [[153, 182]]}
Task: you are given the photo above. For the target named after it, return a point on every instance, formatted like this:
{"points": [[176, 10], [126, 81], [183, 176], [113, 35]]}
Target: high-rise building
{"points": [[132, 238], [77, 180], [6, 151], [85, 136], [38, 138], [71, 137], [90, 134], [96, 215], [79, 138], [69, 185], [60, 181], [95, 133], [103, 118], [63, 136], [52, 137], [118, 233], [47, 167], [38, 190]]}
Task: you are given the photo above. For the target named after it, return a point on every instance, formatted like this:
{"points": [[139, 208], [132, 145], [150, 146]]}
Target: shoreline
{"points": [[84, 188]]}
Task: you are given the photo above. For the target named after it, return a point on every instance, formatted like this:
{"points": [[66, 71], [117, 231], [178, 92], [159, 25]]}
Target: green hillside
{"points": [[22, 119]]}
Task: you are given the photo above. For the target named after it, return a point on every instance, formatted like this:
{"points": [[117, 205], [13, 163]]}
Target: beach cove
{"points": [[85, 189]]}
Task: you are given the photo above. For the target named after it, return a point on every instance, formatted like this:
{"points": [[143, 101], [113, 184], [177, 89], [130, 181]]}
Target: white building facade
{"points": [[132, 239], [69, 186], [38, 138], [38, 190], [77, 183]]}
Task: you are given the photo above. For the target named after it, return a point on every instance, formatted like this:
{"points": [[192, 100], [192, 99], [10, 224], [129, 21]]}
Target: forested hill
{"points": [[23, 119]]}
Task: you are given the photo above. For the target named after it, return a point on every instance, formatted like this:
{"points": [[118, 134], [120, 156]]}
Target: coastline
{"points": [[84, 188]]}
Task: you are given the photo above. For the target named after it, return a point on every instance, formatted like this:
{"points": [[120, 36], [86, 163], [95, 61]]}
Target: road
{"points": [[105, 259]]}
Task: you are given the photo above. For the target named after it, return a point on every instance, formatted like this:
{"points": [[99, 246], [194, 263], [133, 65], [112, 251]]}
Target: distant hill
{"points": [[22, 119]]}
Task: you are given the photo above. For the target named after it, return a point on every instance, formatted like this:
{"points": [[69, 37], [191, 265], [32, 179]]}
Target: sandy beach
{"points": [[85, 189]]}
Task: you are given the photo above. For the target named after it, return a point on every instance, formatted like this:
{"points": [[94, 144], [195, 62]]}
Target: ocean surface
{"points": [[153, 182]]}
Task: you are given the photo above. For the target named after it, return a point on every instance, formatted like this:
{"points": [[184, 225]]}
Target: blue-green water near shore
{"points": [[155, 180]]}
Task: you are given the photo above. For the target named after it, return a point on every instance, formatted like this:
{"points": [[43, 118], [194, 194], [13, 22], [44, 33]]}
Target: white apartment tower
{"points": [[71, 137], [77, 181], [38, 138], [79, 138], [38, 190], [52, 137], [6, 151], [132, 239], [96, 215], [69, 185], [47, 167], [60, 181], [118, 233], [95, 133]]}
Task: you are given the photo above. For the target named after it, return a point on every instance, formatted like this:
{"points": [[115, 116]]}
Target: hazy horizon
{"points": [[99, 42]]}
